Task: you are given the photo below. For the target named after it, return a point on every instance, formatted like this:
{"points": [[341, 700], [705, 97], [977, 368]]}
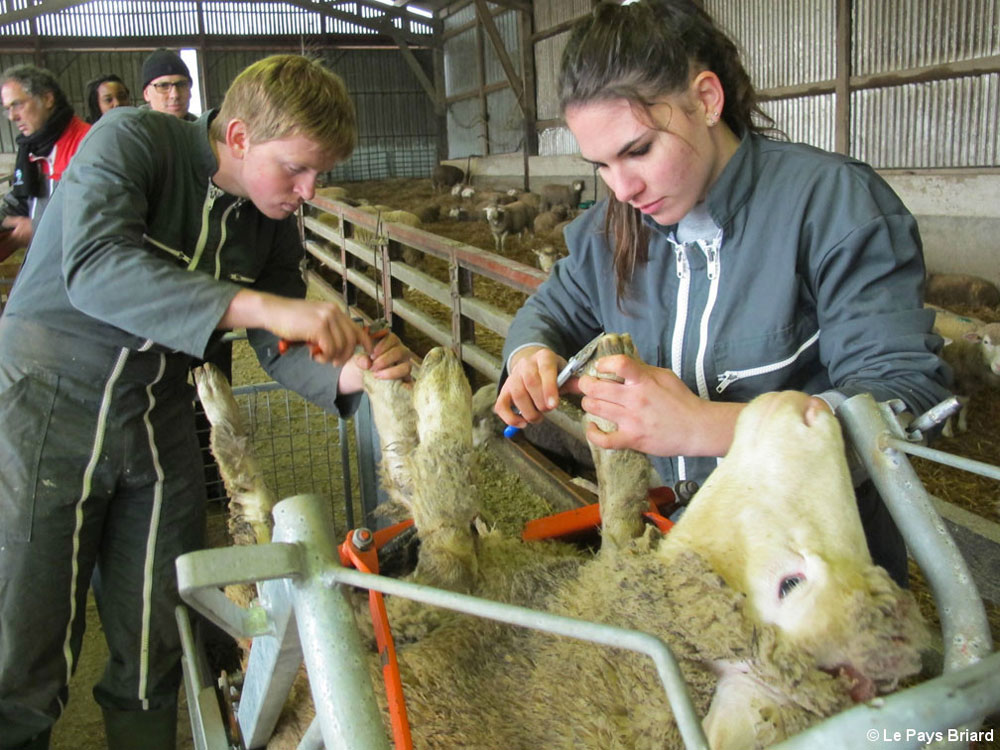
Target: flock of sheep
{"points": [[536, 219], [764, 590]]}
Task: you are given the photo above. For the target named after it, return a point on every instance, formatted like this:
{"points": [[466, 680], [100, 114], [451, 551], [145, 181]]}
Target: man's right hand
{"points": [[329, 331]]}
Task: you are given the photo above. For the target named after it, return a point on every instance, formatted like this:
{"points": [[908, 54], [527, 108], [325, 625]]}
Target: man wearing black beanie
{"points": [[166, 84]]}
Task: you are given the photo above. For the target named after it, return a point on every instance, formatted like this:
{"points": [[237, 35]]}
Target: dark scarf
{"points": [[28, 174]]}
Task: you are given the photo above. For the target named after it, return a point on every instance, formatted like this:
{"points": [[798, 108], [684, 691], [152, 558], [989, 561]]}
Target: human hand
{"points": [[655, 412], [15, 233], [389, 360], [331, 334], [530, 386]]}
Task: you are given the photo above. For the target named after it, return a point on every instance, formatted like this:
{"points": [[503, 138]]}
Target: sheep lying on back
{"points": [[768, 599], [475, 684]]}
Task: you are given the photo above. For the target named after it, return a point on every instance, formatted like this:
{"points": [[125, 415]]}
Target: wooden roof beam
{"points": [[489, 25], [436, 97], [381, 24]]}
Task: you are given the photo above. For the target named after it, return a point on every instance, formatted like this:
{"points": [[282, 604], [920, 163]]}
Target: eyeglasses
{"points": [[164, 87]]}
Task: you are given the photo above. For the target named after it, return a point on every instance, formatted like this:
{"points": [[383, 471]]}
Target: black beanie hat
{"points": [[163, 62]]}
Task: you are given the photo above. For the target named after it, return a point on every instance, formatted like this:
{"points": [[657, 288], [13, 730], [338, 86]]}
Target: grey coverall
{"points": [[131, 268]]}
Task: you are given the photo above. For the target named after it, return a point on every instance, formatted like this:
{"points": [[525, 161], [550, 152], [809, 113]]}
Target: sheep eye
{"points": [[787, 584]]}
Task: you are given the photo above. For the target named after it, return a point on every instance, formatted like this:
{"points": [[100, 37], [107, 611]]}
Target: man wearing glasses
{"points": [[48, 133], [166, 84]]}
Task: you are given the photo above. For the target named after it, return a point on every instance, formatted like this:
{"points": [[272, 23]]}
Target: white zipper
{"points": [[167, 249], [683, 289], [731, 376], [206, 210], [222, 238], [711, 250], [677, 343]]}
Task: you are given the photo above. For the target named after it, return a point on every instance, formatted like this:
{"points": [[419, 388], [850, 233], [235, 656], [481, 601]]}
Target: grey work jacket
{"points": [[814, 283], [139, 249]]}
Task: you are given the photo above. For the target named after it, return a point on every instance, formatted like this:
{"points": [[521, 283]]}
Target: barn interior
{"points": [[907, 86]]}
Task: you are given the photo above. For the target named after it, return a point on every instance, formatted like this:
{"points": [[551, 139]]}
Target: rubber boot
{"points": [[39, 742], [141, 730]]}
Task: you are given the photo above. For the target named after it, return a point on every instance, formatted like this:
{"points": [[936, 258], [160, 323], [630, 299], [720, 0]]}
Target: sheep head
{"points": [[778, 520]]}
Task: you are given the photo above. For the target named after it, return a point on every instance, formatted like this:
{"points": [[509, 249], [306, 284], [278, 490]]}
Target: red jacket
{"points": [[52, 167], [64, 149]]}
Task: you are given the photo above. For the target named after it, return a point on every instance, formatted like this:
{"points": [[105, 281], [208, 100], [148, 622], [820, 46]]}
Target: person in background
{"points": [[104, 93], [738, 263], [164, 234], [166, 84], [49, 134]]}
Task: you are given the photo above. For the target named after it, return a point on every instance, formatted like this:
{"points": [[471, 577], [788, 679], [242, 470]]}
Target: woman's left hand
{"points": [[655, 411], [389, 359]]}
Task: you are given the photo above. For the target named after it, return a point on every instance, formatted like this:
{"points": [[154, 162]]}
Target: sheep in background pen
{"points": [[547, 257], [960, 289], [444, 176], [972, 350], [512, 218], [561, 195], [974, 357]]}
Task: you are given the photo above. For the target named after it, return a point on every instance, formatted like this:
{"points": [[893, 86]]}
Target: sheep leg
{"points": [[622, 475], [396, 423], [444, 501], [250, 498]]}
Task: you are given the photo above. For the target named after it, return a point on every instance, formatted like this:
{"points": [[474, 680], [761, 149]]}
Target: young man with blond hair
{"points": [[163, 234]]}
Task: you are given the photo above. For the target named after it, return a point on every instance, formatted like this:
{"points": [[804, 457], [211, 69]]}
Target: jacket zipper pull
{"points": [[713, 261], [726, 379], [681, 261]]}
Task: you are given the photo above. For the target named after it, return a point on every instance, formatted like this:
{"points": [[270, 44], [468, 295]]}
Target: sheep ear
{"points": [[972, 336]]}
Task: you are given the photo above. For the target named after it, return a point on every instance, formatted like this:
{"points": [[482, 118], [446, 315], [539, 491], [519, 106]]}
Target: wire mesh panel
{"points": [[298, 447]]}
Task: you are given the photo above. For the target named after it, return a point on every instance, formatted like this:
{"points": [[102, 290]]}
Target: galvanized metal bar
{"points": [[685, 715], [364, 432], [274, 661], [201, 574], [948, 459], [207, 729], [933, 708], [965, 630], [313, 738], [345, 471], [335, 658]]}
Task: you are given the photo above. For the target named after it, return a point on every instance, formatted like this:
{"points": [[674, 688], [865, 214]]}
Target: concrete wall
{"points": [[959, 217], [958, 210]]}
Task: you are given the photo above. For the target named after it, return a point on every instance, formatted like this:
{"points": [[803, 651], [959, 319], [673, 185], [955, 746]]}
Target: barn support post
{"points": [[530, 95], [463, 330], [842, 126], [442, 115], [484, 112]]}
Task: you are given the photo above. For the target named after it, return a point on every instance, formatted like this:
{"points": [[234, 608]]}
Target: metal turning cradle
{"points": [[303, 615]]}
